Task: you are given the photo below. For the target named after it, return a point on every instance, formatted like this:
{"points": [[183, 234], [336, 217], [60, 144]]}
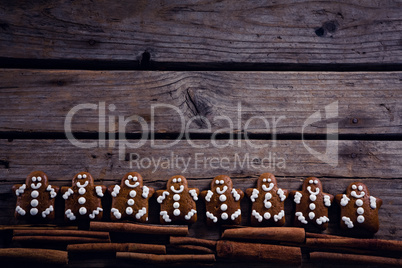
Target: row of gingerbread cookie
{"points": [[177, 202]]}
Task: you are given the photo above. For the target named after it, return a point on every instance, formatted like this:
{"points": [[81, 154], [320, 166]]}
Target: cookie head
{"points": [[132, 180], [37, 180], [266, 182], [221, 184], [177, 184], [83, 179], [312, 185], [357, 190]]}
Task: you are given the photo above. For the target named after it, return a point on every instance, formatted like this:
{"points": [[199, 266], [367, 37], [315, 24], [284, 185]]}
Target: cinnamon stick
{"points": [[176, 230], [37, 227], [166, 259], [350, 259], [282, 234], [33, 255], [315, 235], [259, 252], [355, 243], [117, 247], [177, 240], [60, 239], [27, 232], [192, 249]]}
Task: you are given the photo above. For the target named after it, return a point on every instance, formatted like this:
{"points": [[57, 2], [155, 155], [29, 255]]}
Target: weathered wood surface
{"points": [[39, 101], [376, 164], [191, 32]]}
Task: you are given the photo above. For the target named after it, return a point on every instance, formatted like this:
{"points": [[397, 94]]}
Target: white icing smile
{"points": [[267, 189], [127, 183], [219, 191], [354, 194], [317, 190], [177, 191], [37, 186], [82, 186]]}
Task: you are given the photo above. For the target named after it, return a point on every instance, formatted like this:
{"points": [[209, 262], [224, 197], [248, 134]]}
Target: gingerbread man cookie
{"points": [[130, 198], [83, 199], [35, 198], [267, 202], [178, 202], [223, 202], [359, 210], [312, 204]]}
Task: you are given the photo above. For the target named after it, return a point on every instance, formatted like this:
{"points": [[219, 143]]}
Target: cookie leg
{"points": [[190, 214], [300, 217], [165, 216], [95, 212], [236, 214], [116, 213], [70, 215], [257, 215], [141, 213], [212, 217], [47, 211], [279, 216]]}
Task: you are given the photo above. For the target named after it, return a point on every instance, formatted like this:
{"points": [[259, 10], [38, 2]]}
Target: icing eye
{"points": [[179, 180], [222, 182], [269, 180], [79, 176], [135, 178], [354, 187], [174, 180], [360, 188], [217, 182], [316, 182], [33, 179], [310, 181], [39, 178], [84, 176], [264, 180], [130, 177]]}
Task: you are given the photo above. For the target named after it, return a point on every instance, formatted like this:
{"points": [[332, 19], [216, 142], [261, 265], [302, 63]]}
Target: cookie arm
{"points": [[194, 192], [296, 196], [237, 194], [328, 198], [338, 198], [17, 187], [151, 191], [203, 194], [100, 190], [249, 191]]}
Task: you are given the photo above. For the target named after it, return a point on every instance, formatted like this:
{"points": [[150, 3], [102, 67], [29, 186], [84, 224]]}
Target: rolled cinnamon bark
{"points": [[61, 233], [315, 235], [33, 255], [176, 230], [37, 227], [350, 259], [166, 259], [177, 240], [355, 243], [259, 252], [60, 239], [190, 249], [117, 247], [281, 234]]}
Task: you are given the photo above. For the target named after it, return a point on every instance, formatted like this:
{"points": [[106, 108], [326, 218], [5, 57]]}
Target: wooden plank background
{"points": [[281, 60]]}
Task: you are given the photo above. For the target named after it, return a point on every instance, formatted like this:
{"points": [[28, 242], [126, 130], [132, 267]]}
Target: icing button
{"points": [[129, 211], [33, 211], [268, 196], [82, 200], [222, 198], [82, 191], [176, 204], [176, 212], [360, 219], [268, 204], [34, 202], [224, 207], [311, 215], [312, 206], [267, 215], [130, 202], [34, 194], [360, 210], [313, 197], [176, 197], [83, 210], [224, 216], [359, 202], [133, 193]]}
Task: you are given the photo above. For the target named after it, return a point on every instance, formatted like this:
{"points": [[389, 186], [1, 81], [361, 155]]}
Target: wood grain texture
{"points": [[202, 31], [39, 101], [376, 164]]}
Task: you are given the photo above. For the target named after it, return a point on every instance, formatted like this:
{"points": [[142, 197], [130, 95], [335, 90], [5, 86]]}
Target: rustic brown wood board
{"points": [[268, 79]]}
